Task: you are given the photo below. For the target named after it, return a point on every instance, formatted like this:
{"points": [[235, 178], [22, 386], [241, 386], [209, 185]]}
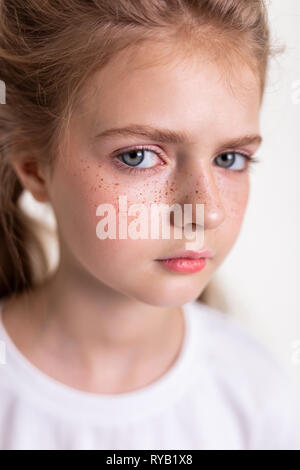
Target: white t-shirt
{"points": [[224, 391]]}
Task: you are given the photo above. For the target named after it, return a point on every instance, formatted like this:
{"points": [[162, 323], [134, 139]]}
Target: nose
{"points": [[201, 188]]}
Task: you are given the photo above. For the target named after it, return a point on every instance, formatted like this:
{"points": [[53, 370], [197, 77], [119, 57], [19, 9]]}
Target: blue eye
{"points": [[234, 160], [139, 159]]}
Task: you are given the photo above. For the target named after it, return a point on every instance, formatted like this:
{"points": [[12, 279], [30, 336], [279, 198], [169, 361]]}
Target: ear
{"points": [[31, 174]]}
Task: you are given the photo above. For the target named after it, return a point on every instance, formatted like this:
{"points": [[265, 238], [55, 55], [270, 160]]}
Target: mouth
{"points": [[188, 255], [183, 265]]}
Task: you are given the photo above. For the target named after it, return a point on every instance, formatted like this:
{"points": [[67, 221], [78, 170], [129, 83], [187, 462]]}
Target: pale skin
{"points": [[109, 320]]}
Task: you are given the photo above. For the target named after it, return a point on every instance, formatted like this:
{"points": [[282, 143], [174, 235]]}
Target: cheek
{"points": [[78, 192], [234, 193], [236, 200]]}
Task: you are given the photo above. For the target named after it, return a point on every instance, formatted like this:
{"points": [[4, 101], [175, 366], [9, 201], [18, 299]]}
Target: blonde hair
{"points": [[48, 50]]}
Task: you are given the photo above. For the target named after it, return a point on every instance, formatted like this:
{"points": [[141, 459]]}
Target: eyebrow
{"points": [[172, 137]]}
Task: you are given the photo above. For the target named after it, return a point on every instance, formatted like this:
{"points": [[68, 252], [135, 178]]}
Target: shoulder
{"points": [[237, 345], [242, 363]]}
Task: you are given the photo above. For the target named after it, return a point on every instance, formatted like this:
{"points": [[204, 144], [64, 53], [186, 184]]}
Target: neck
{"points": [[105, 329]]}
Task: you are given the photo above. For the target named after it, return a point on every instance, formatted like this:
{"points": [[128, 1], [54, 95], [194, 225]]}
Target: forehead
{"points": [[190, 92]]}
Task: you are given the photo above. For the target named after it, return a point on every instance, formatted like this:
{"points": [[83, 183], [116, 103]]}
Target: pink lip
{"points": [[188, 254], [186, 261], [184, 265]]}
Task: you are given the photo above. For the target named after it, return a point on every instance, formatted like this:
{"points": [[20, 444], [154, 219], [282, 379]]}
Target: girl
{"points": [[156, 101]]}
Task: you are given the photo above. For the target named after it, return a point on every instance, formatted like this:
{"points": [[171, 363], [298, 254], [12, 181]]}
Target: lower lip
{"points": [[184, 265]]}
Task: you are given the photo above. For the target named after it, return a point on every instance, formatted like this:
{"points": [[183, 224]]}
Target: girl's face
{"points": [[190, 96]]}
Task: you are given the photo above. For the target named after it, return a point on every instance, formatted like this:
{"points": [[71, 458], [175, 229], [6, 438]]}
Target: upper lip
{"points": [[189, 254]]}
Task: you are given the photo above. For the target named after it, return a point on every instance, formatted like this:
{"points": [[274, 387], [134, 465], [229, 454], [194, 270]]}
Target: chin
{"points": [[159, 297]]}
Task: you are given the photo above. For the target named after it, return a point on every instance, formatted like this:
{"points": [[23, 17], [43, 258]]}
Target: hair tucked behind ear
{"points": [[48, 50], [20, 247]]}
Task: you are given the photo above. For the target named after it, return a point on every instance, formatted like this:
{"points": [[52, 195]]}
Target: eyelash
{"points": [[251, 160], [135, 170]]}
